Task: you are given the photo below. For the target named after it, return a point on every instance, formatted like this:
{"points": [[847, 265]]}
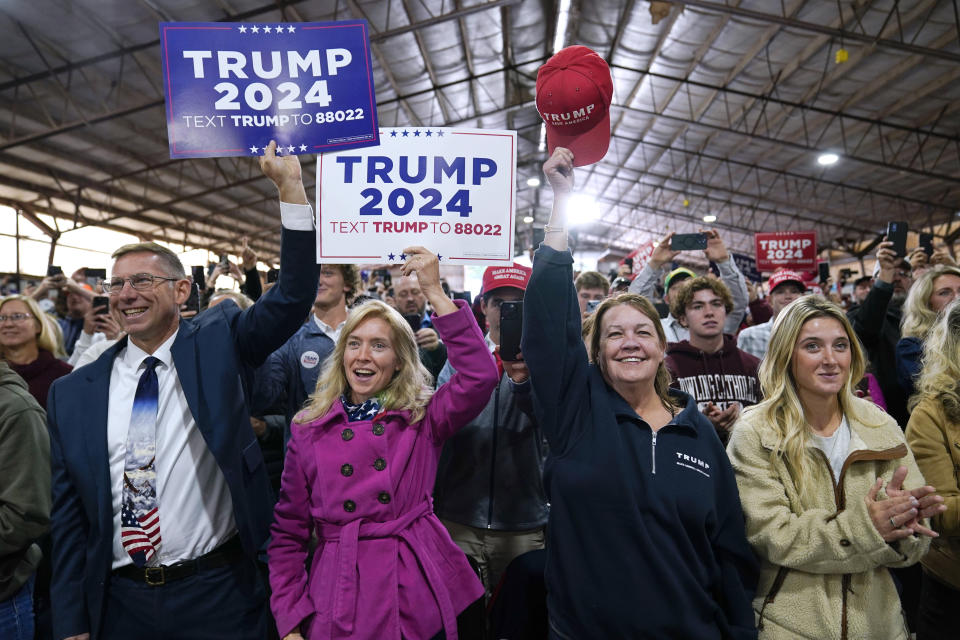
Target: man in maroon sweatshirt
{"points": [[708, 365]]}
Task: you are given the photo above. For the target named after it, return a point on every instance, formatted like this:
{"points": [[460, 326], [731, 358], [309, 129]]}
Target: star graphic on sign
{"points": [[242, 28], [391, 256], [429, 133], [303, 147], [440, 134], [279, 30], [393, 134], [403, 256], [290, 149], [416, 133], [291, 29], [279, 150], [255, 29], [405, 133], [266, 29], [254, 149], [439, 257]]}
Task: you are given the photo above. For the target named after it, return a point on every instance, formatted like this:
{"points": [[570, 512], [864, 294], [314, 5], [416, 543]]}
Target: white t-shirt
{"points": [[836, 447]]}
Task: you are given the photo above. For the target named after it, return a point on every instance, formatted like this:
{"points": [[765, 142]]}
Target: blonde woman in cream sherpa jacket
{"points": [[831, 493]]}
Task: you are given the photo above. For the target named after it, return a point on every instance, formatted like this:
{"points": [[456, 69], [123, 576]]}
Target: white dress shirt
{"points": [[330, 332], [196, 510]]}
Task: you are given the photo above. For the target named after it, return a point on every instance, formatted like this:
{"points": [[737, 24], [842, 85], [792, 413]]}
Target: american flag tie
{"points": [[139, 519]]}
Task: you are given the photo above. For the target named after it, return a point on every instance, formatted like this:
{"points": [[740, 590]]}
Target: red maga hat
{"points": [[515, 276], [785, 275], [574, 90]]}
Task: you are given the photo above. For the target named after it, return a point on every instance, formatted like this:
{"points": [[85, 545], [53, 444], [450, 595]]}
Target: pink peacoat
{"points": [[385, 567]]}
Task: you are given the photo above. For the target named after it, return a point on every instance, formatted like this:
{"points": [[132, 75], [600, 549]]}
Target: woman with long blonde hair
{"points": [[930, 293], [359, 473], [832, 496], [31, 343], [934, 425]]}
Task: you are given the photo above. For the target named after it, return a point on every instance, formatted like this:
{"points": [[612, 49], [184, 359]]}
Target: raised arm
{"points": [[717, 253], [646, 281], [473, 372], [265, 326], [552, 345]]}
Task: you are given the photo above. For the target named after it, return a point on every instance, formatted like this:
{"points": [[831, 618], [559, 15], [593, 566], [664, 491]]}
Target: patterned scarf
{"points": [[364, 411]]}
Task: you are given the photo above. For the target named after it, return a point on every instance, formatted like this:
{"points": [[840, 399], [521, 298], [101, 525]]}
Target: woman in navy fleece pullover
{"points": [[646, 535]]}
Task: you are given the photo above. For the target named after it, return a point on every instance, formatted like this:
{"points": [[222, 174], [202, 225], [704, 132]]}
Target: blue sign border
{"points": [[335, 133]]}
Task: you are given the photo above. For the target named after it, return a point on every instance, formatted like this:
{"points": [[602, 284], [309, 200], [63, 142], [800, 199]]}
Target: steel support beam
{"points": [[812, 27]]}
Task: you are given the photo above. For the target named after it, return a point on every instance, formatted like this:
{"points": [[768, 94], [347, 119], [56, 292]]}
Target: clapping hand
{"points": [[929, 503], [899, 516]]}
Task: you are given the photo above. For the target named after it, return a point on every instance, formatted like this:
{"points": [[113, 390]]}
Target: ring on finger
{"points": [[893, 524]]}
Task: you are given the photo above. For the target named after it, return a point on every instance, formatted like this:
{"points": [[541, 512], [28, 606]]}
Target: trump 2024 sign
{"points": [[449, 190], [786, 249], [232, 87]]}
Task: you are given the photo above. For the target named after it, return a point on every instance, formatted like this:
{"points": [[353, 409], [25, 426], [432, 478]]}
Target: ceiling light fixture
{"points": [[827, 159], [582, 209], [543, 138], [533, 182], [709, 218], [527, 219]]}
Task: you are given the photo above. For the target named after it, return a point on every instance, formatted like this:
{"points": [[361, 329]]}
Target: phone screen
{"points": [[101, 304], [897, 234], [688, 242], [511, 329]]}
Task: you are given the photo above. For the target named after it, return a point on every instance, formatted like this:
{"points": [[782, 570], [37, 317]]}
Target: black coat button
{"points": [[384, 497], [378, 429], [844, 542], [379, 464], [347, 470], [349, 506], [347, 434]]}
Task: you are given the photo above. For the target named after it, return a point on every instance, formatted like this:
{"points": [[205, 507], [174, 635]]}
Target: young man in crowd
{"points": [[410, 301], [489, 492], [154, 438], [785, 286], [708, 365], [290, 373], [645, 282], [591, 286]]}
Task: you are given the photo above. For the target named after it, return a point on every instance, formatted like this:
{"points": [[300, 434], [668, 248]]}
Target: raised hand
{"points": [[558, 169], [285, 173]]}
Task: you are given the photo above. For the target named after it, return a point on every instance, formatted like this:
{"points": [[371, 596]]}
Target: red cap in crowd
{"points": [[786, 275], [515, 276], [574, 91]]}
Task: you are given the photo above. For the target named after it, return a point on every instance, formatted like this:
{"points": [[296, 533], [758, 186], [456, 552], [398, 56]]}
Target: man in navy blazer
{"points": [[210, 474]]}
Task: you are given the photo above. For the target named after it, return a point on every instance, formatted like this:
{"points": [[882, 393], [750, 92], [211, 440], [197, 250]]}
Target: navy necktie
{"points": [[140, 521]]}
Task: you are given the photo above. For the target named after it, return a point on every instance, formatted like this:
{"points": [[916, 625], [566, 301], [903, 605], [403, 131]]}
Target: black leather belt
{"points": [[228, 553]]}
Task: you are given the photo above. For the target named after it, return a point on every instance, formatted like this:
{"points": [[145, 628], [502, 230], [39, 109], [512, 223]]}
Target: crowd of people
{"points": [[322, 458]]}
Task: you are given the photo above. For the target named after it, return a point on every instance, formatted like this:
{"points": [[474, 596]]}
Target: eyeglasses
{"points": [[14, 317], [139, 281]]}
